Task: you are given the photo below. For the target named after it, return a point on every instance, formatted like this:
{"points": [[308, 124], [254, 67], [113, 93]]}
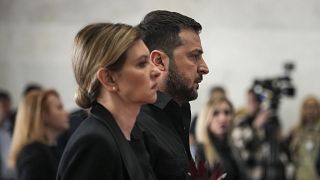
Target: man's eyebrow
{"points": [[199, 51]]}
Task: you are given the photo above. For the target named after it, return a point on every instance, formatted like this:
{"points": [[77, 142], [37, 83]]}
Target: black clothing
{"points": [[226, 164], [99, 150], [76, 118], [165, 126], [226, 158], [37, 161], [139, 148]]}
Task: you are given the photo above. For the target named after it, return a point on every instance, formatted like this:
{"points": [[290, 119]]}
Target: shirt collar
{"points": [[163, 100]]}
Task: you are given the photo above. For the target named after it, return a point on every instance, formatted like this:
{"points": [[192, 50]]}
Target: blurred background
{"points": [[243, 41]]}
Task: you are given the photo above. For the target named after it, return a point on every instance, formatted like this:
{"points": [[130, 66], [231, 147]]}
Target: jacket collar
{"points": [[129, 159]]}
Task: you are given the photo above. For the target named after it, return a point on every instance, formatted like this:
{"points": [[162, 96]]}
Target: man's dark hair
{"points": [[30, 87], [4, 95], [160, 30]]}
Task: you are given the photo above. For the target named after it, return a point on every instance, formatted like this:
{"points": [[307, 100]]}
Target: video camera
{"points": [[270, 90]]}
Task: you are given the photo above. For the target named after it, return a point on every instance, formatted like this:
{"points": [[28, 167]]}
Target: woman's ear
{"points": [[105, 77], [159, 59]]}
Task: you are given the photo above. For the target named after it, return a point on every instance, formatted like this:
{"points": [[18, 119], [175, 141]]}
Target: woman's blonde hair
{"points": [[202, 128], [99, 45], [30, 126], [306, 102]]}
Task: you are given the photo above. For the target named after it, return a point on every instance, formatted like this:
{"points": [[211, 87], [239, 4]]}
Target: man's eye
{"points": [[196, 56]]}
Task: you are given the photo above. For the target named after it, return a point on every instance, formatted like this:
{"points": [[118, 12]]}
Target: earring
{"points": [[114, 88]]}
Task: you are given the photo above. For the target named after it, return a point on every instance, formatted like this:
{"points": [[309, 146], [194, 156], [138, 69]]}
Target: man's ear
{"points": [[105, 77], [159, 59]]}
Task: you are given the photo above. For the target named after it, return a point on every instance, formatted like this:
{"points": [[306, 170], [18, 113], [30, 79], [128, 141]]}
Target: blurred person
{"points": [[305, 140], [176, 50], [30, 87], [41, 118], [215, 92], [114, 77], [251, 137], [213, 130], [5, 136]]}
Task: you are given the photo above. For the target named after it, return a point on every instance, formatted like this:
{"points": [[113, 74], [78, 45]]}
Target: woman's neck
{"points": [[124, 113], [52, 136]]}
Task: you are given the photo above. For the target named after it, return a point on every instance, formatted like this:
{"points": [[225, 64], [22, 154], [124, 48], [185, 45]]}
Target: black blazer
{"points": [[98, 150], [37, 161]]}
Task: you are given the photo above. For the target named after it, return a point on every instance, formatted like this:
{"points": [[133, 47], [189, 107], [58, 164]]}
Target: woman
{"points": [[115, 77], [41, 118], [305, 140], [212, 132]]}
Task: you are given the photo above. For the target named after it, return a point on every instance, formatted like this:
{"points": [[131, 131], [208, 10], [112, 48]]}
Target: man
{"points": [[175, 48]]}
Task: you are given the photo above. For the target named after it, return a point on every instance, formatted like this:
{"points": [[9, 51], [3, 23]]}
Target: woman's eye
{"points": [[227, 112], [216, 113], [142, 64]]}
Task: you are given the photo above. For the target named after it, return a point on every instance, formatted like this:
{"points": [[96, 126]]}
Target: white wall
{"points": [[242, 39]]}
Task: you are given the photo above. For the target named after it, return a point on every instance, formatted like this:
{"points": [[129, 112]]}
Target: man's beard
{"points": [[177, 86]]}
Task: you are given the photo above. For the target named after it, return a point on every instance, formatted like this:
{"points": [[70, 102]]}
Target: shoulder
{"points": [[91, 135], [91, 152], [35, 149], [199, 155], [34, 153]]}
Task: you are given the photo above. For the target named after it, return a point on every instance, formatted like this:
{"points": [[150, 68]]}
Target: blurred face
{"points": [[55, 116], [311, 111], [137, 80], [219, 119], [186, 68]]}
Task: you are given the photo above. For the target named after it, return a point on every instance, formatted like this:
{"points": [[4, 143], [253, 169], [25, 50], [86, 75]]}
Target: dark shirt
{"points": [[38, 161], [165, 127]]}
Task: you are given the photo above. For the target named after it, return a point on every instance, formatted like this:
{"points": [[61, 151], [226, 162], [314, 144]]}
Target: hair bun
{"points": [[82, 98]]}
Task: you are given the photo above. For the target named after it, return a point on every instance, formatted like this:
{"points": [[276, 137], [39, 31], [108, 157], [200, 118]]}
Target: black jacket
{"points": [[37, 161], [165, 127], [98, 150]]}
